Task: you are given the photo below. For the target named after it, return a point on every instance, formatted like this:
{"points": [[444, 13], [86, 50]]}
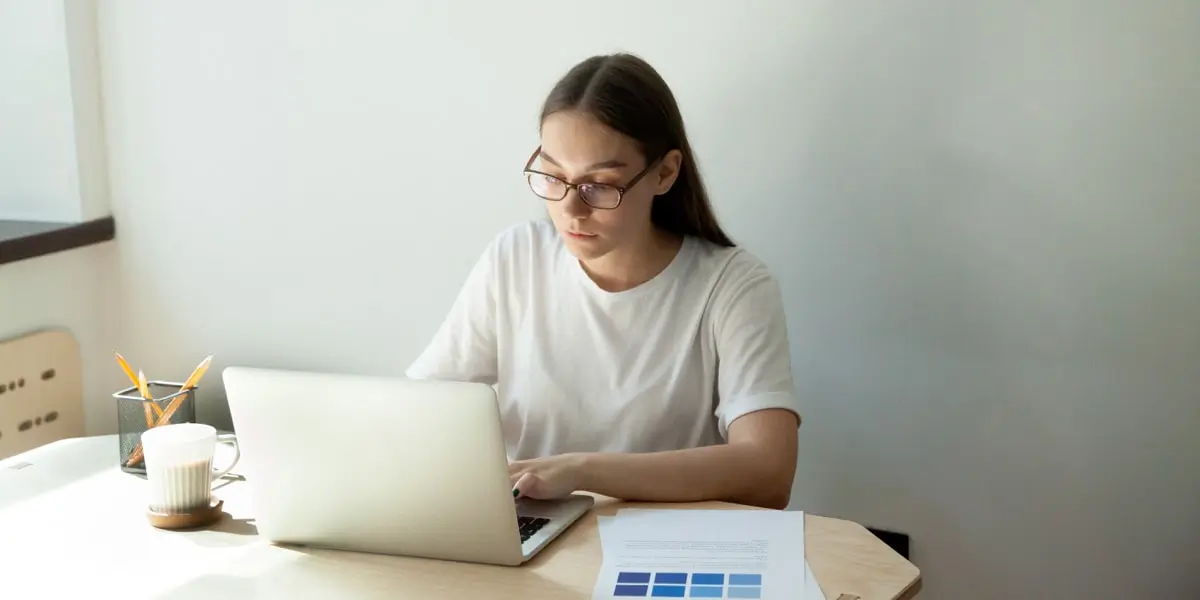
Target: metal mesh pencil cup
{"points": [[132, 419]]}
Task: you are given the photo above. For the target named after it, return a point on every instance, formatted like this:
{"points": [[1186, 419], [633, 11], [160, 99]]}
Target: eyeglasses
{"points": [[596, 195]]}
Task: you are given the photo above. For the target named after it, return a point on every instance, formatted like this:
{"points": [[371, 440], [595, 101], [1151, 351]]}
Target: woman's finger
{"points": [[526, 485]]}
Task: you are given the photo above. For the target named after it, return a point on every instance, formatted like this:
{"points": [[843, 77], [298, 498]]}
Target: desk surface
{"points": [[73, 525]]}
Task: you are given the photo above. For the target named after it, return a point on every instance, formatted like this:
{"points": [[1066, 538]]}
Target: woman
{"points": [[637, 353]]}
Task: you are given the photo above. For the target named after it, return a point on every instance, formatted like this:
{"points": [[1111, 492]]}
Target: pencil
{"points": [[137, 382], [192, 381], [128, 369], [148, 400]]}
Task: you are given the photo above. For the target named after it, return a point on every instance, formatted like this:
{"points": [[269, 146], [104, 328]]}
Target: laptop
{"points": [[385, 465]]}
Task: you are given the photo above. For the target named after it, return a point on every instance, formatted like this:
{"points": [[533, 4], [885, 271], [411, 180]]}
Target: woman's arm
{"points": [[464, 346], [755, 467]]}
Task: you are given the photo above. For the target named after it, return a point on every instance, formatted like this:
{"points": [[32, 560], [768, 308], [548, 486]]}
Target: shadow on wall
{"points": [[963, 255], [867, 252]]}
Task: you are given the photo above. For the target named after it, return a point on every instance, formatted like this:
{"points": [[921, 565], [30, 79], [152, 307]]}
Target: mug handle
{"points": [[228, 438]]}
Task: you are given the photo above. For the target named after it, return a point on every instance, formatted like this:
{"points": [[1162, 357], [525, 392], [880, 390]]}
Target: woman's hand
{"points": [[546, 478]]}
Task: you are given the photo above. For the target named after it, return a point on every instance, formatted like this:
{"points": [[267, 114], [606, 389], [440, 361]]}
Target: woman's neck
{"points": [[628, 268]]}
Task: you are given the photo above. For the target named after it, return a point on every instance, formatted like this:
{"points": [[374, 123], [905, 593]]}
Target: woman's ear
{"points": [[667, 172]]}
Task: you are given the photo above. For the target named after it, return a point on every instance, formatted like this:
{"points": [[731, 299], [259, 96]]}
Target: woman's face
{"points": [[578, 149]]}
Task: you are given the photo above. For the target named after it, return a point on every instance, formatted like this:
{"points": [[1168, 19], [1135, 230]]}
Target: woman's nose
{"points": [[574, 206]]}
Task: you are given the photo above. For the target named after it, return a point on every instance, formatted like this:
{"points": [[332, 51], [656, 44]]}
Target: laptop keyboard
{"points": [[530, 525]]}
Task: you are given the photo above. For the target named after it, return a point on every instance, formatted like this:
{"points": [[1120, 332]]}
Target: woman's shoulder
{"points": [[522, 249], [740, 285], [525, 238], [730, 267]]}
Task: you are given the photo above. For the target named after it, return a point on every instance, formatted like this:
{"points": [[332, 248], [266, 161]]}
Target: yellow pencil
{"points": [[128, 369], [148, 403], [192, 381], [137, 382]]}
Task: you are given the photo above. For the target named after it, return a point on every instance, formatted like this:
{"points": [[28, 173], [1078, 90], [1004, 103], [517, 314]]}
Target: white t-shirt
{"points": [[666, 365]]}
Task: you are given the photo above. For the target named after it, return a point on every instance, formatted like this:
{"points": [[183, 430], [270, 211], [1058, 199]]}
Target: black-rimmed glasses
{"points": [[596, 195]]}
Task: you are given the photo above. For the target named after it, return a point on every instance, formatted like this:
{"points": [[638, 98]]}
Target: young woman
{"points": [[636, 351]]}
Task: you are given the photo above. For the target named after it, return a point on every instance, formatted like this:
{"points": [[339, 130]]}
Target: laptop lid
{"points": [[375, 464]]}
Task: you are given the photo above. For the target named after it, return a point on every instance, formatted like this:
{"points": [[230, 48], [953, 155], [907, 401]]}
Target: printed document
{"points": [[741, 554]]}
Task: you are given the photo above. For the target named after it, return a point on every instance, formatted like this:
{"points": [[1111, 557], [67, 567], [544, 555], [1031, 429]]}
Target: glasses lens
{"points": [[546, 186], [600, 196]]}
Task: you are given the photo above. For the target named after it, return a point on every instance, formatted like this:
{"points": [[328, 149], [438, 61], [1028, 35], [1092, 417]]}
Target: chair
{"points": [[41, 390]]}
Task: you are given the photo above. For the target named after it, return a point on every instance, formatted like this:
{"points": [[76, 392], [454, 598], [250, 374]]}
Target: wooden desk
{"points": [[72, 525]]}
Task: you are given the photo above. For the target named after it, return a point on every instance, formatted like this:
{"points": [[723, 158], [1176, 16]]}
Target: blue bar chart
{"points": [[678, 584]]}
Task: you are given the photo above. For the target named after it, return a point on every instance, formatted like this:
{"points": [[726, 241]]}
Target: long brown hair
{"points": [[626, 94]]}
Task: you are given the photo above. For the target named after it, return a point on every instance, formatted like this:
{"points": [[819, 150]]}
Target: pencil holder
{"points": [[170, 404]]}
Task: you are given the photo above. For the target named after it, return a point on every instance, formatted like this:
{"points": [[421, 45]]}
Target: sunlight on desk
{"points": [[74, 526]]}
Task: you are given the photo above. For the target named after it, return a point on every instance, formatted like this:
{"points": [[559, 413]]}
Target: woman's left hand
{"points": [[546, 478]]}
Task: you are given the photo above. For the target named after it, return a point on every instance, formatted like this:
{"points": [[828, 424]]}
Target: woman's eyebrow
{"points": [[608, 164]]}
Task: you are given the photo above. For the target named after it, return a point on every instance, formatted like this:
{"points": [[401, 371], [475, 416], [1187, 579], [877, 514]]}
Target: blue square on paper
{"points": [[625, 577], [705, 591], [667, 591], [708, 578], [745, 579], [672, 578], [630, 591], [745, 592]]}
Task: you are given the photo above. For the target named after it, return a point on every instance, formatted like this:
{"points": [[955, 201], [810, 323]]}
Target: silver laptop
{"points": [[385, 465]]}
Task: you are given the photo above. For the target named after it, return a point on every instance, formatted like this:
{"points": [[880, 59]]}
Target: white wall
{"points": [[983, 215]]}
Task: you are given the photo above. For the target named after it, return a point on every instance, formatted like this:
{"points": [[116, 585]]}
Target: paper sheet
{"points": [[748, 554]]}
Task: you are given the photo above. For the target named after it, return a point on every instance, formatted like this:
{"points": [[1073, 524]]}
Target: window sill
{"points": [[20, 240]]}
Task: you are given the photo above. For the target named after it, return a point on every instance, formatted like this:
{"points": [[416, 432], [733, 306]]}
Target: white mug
{"points": [[179, 466]]}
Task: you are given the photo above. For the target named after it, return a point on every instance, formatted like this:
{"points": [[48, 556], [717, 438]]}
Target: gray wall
{"points": [[993, 264]]}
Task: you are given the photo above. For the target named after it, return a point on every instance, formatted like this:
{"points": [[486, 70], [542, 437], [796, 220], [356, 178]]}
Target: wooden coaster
{"points": [[192, 520]]}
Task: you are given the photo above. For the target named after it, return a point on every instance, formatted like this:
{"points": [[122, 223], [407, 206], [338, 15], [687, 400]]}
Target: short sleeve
{"points": [[464, 346], [754, 370]]}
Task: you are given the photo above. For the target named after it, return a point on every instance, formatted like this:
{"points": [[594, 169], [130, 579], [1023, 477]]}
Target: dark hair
{"points": [[626, 94]]}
